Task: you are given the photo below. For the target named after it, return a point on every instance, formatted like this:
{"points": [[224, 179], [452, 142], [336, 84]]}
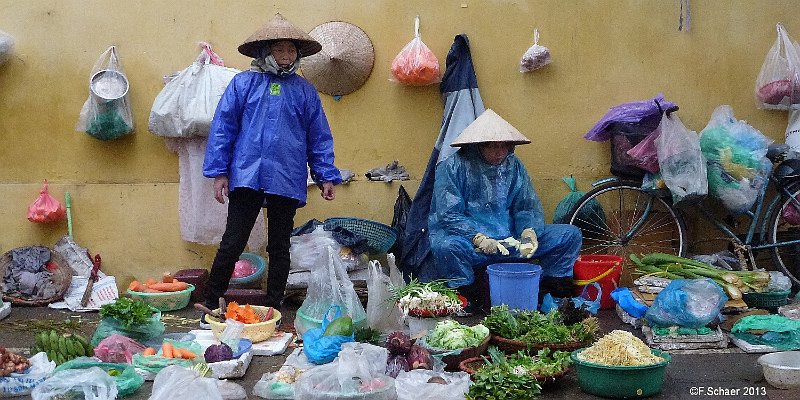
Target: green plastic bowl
{"points": [[621, 382]]}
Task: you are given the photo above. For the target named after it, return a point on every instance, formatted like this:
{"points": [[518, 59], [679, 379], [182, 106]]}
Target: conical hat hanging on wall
{"points": [[344, 63], [489, 127], [279, 28]]}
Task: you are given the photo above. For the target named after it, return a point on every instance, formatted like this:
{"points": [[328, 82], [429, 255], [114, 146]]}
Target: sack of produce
{"points": [[536, 56], [106, 114], [416, 65], [778, 83]]}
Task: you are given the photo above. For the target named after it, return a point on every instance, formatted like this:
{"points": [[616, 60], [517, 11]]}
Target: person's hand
{"points": [[328, 191], [221, 188], [484, 244], [528, 243]]}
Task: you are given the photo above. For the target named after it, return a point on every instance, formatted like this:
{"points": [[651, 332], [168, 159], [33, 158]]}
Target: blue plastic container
{"points": [[515, 284], [254, 280]]}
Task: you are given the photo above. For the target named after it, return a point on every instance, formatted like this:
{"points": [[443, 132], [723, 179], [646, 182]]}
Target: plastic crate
{"points": [[766, 299], [168, 301], [380, 237]]}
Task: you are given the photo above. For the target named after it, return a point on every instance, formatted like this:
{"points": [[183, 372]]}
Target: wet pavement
{"points": [[692, 374]]}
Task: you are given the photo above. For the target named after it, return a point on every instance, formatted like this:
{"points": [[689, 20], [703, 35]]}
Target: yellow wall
{"points": [[125, 191]]}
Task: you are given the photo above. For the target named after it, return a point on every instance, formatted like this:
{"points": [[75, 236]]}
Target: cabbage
{"points": [[218, 352], [450, 335]]}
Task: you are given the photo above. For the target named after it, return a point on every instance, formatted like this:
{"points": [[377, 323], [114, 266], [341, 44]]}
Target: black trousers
{"points": [[244, 204]]}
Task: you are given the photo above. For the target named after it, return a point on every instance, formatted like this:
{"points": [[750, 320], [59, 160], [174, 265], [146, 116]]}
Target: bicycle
{"points": [[619, 217]]}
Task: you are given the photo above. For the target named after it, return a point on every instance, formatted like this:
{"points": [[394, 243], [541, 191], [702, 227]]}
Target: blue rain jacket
{"points": [[266, 129], [471, 196]]}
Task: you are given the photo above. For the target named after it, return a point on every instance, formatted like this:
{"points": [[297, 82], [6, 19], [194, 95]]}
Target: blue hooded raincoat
{"points": [[265, 131], [471, 196]]}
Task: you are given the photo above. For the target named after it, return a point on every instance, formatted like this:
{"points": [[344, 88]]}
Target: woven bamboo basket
{"points": [[471, 365], [62, 277]]}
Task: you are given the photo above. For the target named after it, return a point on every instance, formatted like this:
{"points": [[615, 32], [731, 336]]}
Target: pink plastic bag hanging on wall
{"points": [[46, 208]]}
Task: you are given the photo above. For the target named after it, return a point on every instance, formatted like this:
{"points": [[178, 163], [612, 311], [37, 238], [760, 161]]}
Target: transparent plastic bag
{"points": [[328, 285], [305, 249], [6, 47], [353, 375], [382, 314], [778, 83], [106, 114], [186, 105], [681, 161], [46, 208], [22, 384], [416, 65], [156, 363], [687, 303], [644, 154], [536, 56], [126, 378], [118, 349], [177, 383], [93, 383], [141, 333], [413, 385]]}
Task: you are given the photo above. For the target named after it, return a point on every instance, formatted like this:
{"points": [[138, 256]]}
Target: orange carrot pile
{"points": [[244, 314], [168, 350], [167, 284]]}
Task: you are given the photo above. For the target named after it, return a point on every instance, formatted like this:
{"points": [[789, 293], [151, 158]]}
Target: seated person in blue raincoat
{"points": [[484, 210]]}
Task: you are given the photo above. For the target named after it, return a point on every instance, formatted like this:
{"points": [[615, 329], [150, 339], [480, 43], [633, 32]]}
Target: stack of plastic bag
{"points": [[737, 164]]}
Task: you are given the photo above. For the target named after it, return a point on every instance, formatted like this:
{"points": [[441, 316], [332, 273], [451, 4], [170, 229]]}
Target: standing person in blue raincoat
{"points": [[482, 196], [269, 125]]}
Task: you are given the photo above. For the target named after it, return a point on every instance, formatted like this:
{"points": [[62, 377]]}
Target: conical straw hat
{"points": [[278, 28], [489, 127], [344, 63]]}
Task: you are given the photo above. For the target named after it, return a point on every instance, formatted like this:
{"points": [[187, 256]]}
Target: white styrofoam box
{"points": [[5, 309], [270, 347], [751, 348], [235, 368]]}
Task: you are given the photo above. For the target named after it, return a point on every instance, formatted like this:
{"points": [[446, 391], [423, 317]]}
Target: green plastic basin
{"points": [[621, 382]]}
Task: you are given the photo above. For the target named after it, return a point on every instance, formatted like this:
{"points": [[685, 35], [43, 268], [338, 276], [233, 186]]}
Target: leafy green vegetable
{"points": [[450, 335], [535, 327], [500, 379], [128, 312], [368, 335]]}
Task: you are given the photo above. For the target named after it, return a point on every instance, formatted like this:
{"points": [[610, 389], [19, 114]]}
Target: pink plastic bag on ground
{"points": [[117, 349]]}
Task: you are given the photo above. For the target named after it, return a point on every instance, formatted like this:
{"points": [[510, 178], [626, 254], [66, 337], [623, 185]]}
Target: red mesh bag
{"points": [[46, 208]]}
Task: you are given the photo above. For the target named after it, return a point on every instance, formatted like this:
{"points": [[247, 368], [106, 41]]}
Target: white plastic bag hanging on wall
{"points": [[106, 114], [536, 57], [6, 47], [778, 83], [416, 65], [187, 103]]}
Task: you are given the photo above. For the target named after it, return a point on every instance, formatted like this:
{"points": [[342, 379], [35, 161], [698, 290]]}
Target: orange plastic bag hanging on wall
{"points": [[46, 208], [416, 65]]}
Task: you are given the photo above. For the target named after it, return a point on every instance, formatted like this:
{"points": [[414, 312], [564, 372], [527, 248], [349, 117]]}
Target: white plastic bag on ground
{"points": [[178, 383], [6, 47], [356, 373], [187, 103], [94, 383], [413, 385], [382, 314], [23, 384]]}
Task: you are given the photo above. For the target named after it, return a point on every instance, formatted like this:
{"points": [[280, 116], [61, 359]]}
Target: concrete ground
{"points": [[723, 374]]}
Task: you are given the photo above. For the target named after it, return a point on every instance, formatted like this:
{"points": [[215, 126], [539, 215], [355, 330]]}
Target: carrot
{"points": [[167, 278], [150, 281], [167, 350], [135, 286], [187, 355], [149, 351], [150, 290], [170, 287]]}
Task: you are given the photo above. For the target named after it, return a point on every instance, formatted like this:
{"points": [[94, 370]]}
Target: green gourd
{"points": [[342, 326]]}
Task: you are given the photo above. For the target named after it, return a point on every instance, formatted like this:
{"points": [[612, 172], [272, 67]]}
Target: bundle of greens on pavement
{"points": [[536, 328]]}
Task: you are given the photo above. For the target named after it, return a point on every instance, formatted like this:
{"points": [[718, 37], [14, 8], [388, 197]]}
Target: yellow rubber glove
{"points": [[528, 243]]}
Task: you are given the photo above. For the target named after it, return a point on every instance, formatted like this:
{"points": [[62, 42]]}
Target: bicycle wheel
{"points": [[783, 226], [620, 218]]}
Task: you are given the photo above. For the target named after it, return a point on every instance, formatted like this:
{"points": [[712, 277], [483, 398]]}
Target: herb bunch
{"points": [[535, 327], [499, 379], [129, 313], [434, 297]]}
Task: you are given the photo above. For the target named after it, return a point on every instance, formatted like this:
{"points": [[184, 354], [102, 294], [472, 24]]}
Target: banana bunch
{"points": [[62, 348]]}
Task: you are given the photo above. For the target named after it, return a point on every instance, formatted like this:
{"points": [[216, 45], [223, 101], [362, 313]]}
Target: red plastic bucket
{"points": [[604, 269]]}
